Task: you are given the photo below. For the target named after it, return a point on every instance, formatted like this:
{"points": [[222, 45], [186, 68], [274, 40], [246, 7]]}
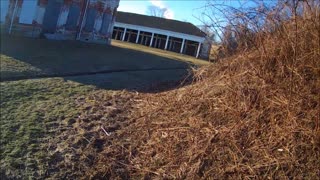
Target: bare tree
{"points": [[251, 23], [210, 34], [237, 28], [156, 11]]}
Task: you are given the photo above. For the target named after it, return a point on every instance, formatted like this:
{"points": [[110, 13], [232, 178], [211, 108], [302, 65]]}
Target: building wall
{"points": [[4, 5], [161, 39], [88, 20]]}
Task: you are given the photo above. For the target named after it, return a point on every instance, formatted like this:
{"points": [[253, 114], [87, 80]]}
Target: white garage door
{"points": [[4, 9], [28, 11]]}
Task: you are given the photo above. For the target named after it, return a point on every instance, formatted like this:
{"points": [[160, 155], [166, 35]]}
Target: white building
{"points": [[166, 34]]}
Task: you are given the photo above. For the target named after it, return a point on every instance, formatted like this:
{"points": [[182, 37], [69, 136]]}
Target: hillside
{"points": [[252, 115], [234, 122]]}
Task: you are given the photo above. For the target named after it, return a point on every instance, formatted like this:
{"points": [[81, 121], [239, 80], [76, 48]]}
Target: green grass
{"points": [[32, 112]]}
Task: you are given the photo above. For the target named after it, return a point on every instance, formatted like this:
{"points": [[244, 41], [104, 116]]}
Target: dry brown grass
{"points": [[254, 115]]}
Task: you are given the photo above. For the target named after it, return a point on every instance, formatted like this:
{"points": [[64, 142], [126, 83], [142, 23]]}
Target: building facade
{"points": [[98, 21], [171, 35], [88, 20]]}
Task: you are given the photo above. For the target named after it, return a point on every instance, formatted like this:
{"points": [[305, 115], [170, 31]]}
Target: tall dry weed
{"points": [[255, 114]]}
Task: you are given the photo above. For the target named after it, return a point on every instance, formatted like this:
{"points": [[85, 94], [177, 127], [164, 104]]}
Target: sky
{"points": [[188, 10], [183, 10]]}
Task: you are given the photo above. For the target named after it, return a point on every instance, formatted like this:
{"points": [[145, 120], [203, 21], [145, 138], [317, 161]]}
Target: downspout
{"points": [[84, 16], [13, 16]]}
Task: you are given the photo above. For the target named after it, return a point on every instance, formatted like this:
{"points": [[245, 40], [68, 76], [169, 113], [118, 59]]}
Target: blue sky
{"points": [[183, 10]]}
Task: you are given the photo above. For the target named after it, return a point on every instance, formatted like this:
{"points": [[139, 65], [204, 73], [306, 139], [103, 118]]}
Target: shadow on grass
{"points": [[103, 66], [37, 110]]}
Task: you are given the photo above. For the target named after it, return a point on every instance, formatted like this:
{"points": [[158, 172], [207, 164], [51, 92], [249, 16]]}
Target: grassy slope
{"points": [[234, 123], [231, 124], [251, 117]]}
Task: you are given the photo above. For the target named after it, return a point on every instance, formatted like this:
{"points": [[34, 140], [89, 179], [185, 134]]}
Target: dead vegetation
{"points": [[74, 150], [253, 115]]}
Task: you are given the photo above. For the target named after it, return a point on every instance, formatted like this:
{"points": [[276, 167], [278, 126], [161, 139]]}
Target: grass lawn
{"points": [[159, 52], [43, 132], [32, 112], [38, 115], [22, 58]]}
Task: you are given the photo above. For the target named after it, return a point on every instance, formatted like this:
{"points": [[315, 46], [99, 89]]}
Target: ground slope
{"points": [[230, 124], [253, 115], [238, 119]]}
